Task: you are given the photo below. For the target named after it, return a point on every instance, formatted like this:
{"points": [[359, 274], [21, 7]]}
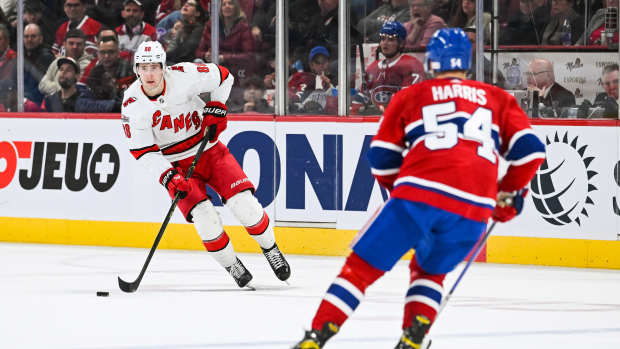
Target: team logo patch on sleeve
{"points": [[129, 101]]}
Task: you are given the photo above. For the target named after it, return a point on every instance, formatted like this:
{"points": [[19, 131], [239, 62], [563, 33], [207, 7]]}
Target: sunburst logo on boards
{"points": [[563, 183]]}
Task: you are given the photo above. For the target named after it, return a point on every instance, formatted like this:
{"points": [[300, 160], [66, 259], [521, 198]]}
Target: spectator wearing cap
{"points": [[76, 12], [7, 56], [423, 23], [74, 96], [65, 98], [74, 48], [183, 46], [305, 87], [37, 57], [392, 11], [134, 31]]}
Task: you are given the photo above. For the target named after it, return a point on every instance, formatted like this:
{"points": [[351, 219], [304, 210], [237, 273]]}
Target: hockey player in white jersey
{"points": [[164, 120]]}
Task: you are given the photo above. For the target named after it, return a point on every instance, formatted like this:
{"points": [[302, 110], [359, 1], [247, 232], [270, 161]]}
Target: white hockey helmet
{"points": [[149, 52]]}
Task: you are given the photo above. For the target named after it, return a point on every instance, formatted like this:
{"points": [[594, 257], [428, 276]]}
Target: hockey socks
{"points": [[215, 240], [221, 249], [424, 294], [346, 292], [259, 231], [251, 214]]}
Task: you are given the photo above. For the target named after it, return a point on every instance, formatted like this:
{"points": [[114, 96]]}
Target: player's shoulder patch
{"points": [[128, 101], [131, 96], [178, 67]]}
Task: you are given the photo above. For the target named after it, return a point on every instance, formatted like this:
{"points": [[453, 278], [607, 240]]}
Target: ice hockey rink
{"points": [[186, 301]]}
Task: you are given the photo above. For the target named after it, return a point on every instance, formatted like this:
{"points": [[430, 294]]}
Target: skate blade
{"points": [[426, 343], [249, 287]]}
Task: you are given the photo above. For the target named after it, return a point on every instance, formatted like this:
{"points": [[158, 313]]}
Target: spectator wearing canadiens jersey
{"points": [[76, 12], [387, 76], [437, 150], [134, 31], [165, 121], [311, 91]]}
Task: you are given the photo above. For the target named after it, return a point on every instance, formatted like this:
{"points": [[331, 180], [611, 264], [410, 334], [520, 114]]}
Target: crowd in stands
{"points": [[78, 53]]}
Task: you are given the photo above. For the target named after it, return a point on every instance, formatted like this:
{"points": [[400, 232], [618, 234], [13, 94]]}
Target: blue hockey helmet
{"points": [[393, 29], [448, 49]]}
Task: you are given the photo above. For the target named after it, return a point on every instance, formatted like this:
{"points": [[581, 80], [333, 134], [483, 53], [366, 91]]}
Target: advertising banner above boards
{"points": [[305, 173], [579, 72]]}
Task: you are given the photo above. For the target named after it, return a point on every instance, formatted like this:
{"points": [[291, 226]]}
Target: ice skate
{"points": [[413, 336], [241, 275], [278, 264], [315, 339]]}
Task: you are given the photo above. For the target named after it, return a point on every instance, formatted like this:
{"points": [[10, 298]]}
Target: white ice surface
{"points": [[187, 301]]}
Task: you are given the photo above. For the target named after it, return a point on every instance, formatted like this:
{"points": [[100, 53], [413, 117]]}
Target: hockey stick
{"points": [[130, 287], [447, 297]]}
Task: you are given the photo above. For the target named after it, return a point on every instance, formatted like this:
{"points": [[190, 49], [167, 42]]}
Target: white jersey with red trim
{"points": [[168, 128]]}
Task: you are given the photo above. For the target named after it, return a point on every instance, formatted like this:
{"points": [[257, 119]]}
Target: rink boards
{"points": [[69, 179]]}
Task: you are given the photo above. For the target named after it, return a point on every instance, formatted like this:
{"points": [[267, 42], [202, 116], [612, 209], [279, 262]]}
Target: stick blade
{"points": [[128, 287]]}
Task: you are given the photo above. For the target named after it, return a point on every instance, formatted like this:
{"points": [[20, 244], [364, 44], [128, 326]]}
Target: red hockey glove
{"points": [[175, 182], [509, 205], [214, 117]]}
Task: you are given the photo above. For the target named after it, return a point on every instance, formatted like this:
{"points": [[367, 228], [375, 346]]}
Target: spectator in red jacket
{"points": [[135, 31], [76, 12], [236, 42]]}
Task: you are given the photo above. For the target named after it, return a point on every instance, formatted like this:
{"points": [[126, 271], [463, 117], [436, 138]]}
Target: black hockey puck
{"points": [[102, 294]]}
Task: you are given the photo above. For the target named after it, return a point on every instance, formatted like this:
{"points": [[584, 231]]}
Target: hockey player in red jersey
{"points": [[165, 120], [437, 151], [386, 77]]}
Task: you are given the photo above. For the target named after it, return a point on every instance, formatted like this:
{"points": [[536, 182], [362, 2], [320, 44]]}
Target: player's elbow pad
{"points": [[524, 149], [383, 159]]}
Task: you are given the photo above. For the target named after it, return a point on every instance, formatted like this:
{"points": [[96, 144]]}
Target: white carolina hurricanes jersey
{"points": [[168, 128]]}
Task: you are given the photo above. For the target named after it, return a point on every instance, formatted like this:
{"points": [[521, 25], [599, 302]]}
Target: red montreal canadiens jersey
{"points": [[439, 143], [301, 83], [168, 128], [383, 80], [88, 26]]}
